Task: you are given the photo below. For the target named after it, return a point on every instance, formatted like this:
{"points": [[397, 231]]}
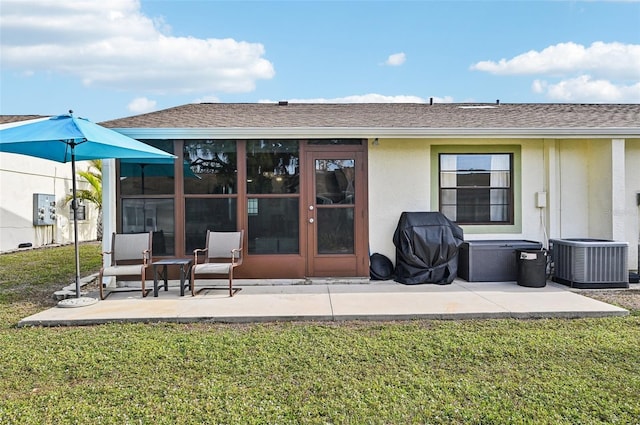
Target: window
{"points": [[477, 188]]}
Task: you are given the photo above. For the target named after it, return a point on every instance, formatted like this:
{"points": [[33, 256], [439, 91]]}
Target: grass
{"points": [[484, 372]]}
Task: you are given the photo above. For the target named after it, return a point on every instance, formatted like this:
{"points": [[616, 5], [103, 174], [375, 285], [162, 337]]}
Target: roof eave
{"points": [[372, 132]]}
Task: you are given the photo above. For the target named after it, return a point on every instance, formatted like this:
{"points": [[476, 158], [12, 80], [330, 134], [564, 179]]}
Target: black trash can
{"points": [[532, 266]]}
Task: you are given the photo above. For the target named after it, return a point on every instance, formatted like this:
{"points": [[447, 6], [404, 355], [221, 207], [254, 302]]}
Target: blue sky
{"points": [[115, 58]]}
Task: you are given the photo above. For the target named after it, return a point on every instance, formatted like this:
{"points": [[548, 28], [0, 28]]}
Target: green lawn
{"points": [[495, 371]]}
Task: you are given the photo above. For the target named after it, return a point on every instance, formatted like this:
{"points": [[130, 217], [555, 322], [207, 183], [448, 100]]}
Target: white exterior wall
{"points": [[20, 177]]}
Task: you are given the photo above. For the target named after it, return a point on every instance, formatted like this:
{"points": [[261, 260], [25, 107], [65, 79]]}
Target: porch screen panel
{"points": [[476, 188], [210, 189], [151, 215], [273, 167], [273, 225], [273, 196], [202, 214], [211, 167], [148, 179]]}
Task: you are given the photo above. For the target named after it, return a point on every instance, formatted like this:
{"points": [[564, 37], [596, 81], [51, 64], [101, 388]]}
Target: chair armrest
{"points": [[145, 257], [102, 254], [196, 252], [234, 259]]}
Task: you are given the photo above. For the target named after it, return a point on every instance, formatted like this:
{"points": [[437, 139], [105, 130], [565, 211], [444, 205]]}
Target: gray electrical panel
{"points": [[44, 209]]}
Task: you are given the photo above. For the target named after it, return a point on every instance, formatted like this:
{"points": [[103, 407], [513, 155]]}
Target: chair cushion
{"points": [[212, 268], [129, 270]]}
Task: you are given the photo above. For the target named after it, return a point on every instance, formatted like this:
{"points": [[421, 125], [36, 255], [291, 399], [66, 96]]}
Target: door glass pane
{"points": [[335, 231], [217, 214], [273, 166], [151, 215], [273, 225], [210, 166], [335, 181]]}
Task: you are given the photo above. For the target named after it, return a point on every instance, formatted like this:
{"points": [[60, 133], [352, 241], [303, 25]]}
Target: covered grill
{"points": [[427, 246]]}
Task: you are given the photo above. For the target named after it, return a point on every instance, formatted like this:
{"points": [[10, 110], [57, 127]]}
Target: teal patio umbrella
{"points": [[66, 138]]}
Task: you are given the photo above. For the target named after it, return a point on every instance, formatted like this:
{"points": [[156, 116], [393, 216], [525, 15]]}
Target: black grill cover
{"points": [[426, 248]]}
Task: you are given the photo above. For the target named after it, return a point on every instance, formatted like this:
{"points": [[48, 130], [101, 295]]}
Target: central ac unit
{"points": [[590, 263]]}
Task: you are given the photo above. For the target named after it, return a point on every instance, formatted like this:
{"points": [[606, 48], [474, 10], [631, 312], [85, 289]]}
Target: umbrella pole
{"points": [[74, 206]]}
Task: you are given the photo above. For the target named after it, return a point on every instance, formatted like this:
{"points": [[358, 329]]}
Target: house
{"points": [[318, 187], [27, 184]]}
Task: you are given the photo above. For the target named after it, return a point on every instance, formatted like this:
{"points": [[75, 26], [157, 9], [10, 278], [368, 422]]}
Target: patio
{"points": [[330, 300]]}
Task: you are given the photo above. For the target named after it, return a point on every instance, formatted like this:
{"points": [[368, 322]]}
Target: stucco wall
{"points": [[399, 180], [599, 189], [632, 183], [578, 177], [403, 177], [22, 176], [573, 181]]}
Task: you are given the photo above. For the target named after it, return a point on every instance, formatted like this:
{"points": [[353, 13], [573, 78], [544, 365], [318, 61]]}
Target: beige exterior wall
{"points": [[399, 180], [631, 200], [589, 193], [22, 176], [403, 177]]}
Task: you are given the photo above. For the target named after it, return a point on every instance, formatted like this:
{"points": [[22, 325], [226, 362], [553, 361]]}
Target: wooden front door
{"points": [[335, 207]]}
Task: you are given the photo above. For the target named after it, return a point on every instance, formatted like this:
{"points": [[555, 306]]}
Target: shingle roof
{"points": [[5, 119], [388, 115]]}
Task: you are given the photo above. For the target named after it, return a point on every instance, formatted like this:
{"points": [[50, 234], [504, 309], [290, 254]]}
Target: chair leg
{"points": [[144, 292], [100, 286], [231, 282]]}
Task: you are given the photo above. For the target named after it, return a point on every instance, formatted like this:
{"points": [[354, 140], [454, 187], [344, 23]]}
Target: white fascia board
{"points": [[369, 132]]}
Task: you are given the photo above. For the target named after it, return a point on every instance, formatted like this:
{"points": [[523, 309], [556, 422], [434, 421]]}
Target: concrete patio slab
{"points": [[260, 301]]}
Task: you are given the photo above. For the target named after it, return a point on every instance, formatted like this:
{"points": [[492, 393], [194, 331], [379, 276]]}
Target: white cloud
{"points": [[611, 60], [601, 72], [369, 98], [207, 99], [111, 44], [140, 105], [586, 89], [396, 59]]}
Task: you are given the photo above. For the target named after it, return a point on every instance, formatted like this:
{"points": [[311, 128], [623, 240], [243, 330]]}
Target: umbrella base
{"points": [[77, 302]]}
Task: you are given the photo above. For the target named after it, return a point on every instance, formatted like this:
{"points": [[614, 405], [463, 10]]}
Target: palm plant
{"points": [[93, 176]]}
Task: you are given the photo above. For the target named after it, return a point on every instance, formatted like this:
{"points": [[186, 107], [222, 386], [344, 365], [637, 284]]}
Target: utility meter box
{"points": [[44, 209]]}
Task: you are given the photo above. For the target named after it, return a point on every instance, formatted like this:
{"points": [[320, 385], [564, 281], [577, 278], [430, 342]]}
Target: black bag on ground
{"points": [[427, 245], [381, 267]]}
